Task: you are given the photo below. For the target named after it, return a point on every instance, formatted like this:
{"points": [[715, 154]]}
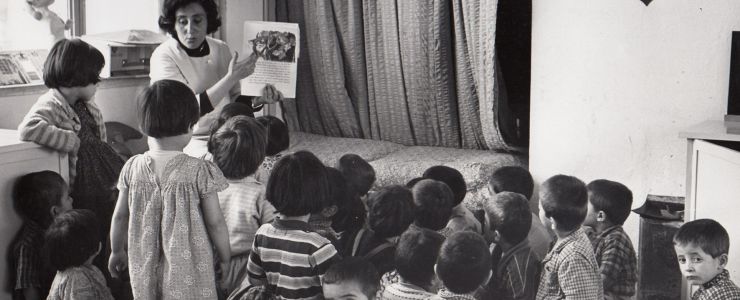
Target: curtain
{"points": [[415, 72]]}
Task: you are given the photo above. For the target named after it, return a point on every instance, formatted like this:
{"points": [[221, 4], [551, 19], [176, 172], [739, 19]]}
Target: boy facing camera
{"points": [[609, 206], [463, 265], [569, 269], [702, 247]]}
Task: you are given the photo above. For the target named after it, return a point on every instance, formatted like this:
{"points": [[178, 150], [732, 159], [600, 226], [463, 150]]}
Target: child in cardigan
{"points": [[462, 218], [609, 205], [463, 266], [168, 208], [238, 148], [278, 141], [702, 247], [71, 244], [38, 197], [295, 188], [569, 270], [516, 272]]}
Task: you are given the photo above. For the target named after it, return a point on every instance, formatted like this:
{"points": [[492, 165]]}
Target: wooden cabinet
{"points": [[713, 184], [16, 159]]}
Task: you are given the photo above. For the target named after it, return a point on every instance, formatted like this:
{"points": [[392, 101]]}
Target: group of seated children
{"points": [[251, 221]]}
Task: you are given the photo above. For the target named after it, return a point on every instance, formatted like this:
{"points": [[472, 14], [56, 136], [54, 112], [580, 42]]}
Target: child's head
{"points": [[72, 63], [416, 255], [702, 247], [278, 138], [72, 239], [238, 147], [391, 211], [609, 202], [453, 178], [350, 211], [411, 183], [359, 173], [167, 108], [39, 196], [230, 110], [351, 278], [297, 184], [509, 216], [464, 263], [433, 204], [512, 179], [564, 201]]}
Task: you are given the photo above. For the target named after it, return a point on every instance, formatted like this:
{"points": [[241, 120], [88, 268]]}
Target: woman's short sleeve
{"points": [[124, 179], [210, 179]]}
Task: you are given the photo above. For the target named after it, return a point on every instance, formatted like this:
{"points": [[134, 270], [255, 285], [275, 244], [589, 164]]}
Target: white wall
{"points": [[116, 15], [613, 82]]}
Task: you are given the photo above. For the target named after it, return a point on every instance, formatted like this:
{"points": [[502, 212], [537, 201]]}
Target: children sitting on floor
{"points": [[238, 148], [569, 269], [462, 218], [518, 180], [72, 242], [609, 205], [517, 267], [295, 188], [38, 197], [415, 257], [432, 205], [702, 247], [463, 266], [351, 278]]}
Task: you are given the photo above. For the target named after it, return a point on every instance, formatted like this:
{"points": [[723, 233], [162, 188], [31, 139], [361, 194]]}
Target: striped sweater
{"points": [[53, 123], [291, 258]]}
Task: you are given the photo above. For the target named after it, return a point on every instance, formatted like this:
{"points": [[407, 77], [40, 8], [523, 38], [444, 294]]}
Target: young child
{"points": [[38, 197], [238, 148], [463, 266], [168, 220], [351, 211], [391, 211], [351, 278], [67, 119], [322, 221], [432, 205], [359, 173], [518, 180], [295, 188], [462, 218], [415, 257], [702, 247], [278, 140], [609, 205], [71, 244], [569, 270], [517, 268]]}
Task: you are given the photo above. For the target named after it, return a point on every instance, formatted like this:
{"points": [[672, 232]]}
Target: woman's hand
{"points": [[270, 95], [239, 70]]}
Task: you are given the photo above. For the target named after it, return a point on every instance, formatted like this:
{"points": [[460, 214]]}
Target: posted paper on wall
{"points": [[277, 46]]}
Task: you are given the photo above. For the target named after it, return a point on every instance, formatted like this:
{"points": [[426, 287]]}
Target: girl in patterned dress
{"points": [[168, 205]]}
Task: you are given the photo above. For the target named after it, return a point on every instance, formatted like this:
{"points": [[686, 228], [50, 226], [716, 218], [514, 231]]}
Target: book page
{"points": [[277, 46]]}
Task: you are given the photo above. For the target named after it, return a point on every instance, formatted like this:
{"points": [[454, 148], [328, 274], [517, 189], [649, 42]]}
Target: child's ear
{"points": [[601, 216], [435, 269], [55, 210], [723, 261]]}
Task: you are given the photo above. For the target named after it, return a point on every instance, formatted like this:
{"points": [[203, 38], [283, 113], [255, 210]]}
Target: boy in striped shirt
{"points": [[287, 255]]}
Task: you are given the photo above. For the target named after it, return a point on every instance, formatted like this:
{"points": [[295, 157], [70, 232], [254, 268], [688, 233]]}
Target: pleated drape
{"points": [[415, 72]]}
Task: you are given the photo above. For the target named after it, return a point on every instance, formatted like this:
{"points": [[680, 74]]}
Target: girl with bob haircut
{"points": [[168, 212], [71, 244]]}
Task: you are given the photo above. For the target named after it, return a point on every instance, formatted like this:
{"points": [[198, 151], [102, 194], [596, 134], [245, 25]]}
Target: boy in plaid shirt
{"points": [[701, 248], [569, 270], [609, 206]]}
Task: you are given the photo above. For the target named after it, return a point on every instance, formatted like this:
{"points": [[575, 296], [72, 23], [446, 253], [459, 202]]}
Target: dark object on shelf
{"points": [[659, 276], [647, 2], [733, 97]]}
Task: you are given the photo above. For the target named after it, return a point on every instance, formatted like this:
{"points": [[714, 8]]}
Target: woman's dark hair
{"points": [[391, 211], [72, 63], [34, 194], [71, 239], [298, 184], [167, 108], [169, 10], [238, 147], [231, 110], [277, 134]]}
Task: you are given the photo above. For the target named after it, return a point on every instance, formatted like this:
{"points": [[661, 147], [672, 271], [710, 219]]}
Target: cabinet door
{"points": [[715, 193]]}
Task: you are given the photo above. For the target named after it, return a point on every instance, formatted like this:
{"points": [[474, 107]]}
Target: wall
{"points": [[613, 82], [114, 15]]}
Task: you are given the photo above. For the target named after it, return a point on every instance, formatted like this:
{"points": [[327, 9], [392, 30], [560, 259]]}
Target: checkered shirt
{"points": [[720, 287], [570, 270], [617, 261]]}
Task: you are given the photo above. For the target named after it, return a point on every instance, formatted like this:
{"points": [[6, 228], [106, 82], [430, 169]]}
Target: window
{"points": [[20, 30]]}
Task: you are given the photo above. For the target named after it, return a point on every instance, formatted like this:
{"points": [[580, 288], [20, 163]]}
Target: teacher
{"points": [[203, 63]]}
